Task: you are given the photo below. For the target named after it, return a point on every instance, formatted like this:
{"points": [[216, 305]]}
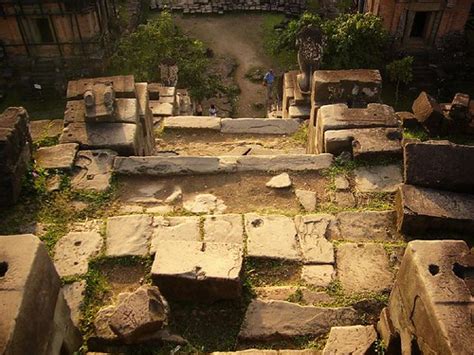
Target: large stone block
{"points": [[121, 137], [93, 169], [259, 126], [43, 129], [378, 178], [428, 112], [124, 86], [128, 235], [440, 165], [356, 339], [430, 306], [30, 294], [198, 271], [283, 162], [366, 143], [126, 111], [174, 228], [313, 231], [359, 87], [270, 320], [341, 117], [421, 210], [224, 228]]}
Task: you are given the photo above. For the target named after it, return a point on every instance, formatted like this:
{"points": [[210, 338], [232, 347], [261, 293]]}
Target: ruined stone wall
{"points": [[455, 18], [220, 6]]}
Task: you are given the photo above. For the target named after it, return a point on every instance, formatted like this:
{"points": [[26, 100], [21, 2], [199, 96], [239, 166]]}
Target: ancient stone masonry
{"points": [[107, 113], [430, 306], [34, 315], [438, 194], [221, 6], [15, 153]]}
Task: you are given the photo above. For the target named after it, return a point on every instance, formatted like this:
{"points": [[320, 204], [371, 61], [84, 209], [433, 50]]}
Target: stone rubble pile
{"points": [[291, 7], [441, 119], [15, 153], [166, 101]]}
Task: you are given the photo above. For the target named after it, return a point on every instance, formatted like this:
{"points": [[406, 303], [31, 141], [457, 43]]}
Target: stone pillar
{"points": [[408, 26]]}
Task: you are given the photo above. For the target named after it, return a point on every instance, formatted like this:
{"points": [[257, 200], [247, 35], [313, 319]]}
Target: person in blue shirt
{"points": [[268, 80]]}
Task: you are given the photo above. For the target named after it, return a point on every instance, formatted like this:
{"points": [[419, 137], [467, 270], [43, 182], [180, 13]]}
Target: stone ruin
{"points": [[34, 315], [292, 7], [15, 153], [430, 306]]}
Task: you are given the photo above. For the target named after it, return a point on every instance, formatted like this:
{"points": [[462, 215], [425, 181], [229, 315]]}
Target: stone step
{"points": [[276, 320], [270, 352], [356, 339], [189, 165]]}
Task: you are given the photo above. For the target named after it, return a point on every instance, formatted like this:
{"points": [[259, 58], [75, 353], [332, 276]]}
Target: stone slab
{"points": [[192, 122], [43, 129], [365, 143], [128, 235], [162, 109], [198, 271], [431, 301], [363, 267], [259, 126], [125, 111], [313, 231], [174, 228], [73, 252], [307, 199], [59, 156], [271, 237], [120, 137], [383, 178], [204, 203], [74, 294], [439, 165], [421, 210], [225, 228], [270, 320], [365, 226], [93, 169], [300, 111], [289, 162], [124, 86], [356, 339]]}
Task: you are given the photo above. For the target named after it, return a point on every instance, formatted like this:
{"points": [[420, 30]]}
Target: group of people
{"points": [[268, 80]]}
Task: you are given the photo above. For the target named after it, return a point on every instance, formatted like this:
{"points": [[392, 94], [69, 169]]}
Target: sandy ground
{"points": [[239, 36]]}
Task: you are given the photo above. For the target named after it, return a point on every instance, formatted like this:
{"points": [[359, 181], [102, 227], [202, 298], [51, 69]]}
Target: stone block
{"points": [[30, 292], [365, 226], [312, 233], [368, 143], [128, 235], [356, 339], [120, 137], [439, 165], [259, 126], [174, 228], [224, 228], [161, 109], [125, 111], [300, 111], [271, 236], [288, 162], [124, 86], [317, 275], [430, 306], [59, 156], [43, 129], [73, 252], [421, 210], [198, 271], [363, 267], [408, 119], [192, 122], [428, 112], [358, 86], [459, 112], [74, 294], [381, 178], [307, 199], [271, 320], [204, 203], [93, 169], [341, 117]]}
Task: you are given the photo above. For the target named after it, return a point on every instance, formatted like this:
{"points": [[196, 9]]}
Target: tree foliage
{"points": [[352, 40], [141, 53], [400, 71]]}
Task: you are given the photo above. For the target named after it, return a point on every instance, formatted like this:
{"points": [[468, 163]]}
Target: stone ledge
{"points": [[192, 122], [178, 165], [259, 125]]}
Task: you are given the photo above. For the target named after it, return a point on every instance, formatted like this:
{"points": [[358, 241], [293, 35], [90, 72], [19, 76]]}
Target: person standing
{"points": [[268, 81], [198, 109], [213, 111]]}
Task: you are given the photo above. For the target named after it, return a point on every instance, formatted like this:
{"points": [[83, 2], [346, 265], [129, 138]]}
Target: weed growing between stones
{"points": [[272, 272], [301, 135], [46, 142]]}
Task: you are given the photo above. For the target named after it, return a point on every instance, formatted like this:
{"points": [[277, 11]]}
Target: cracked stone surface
{"points": [[312, 233], [356, 339], [73, 251], [271, 237], [93, 169], [59, 156]]}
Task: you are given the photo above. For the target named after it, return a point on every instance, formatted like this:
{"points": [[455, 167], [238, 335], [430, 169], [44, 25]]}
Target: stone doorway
{"points": [[420, 22]]}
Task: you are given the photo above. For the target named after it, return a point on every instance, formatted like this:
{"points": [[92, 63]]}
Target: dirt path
{"points": [[239, 36]]}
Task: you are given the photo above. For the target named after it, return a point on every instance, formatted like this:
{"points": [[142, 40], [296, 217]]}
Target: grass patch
{"points": [[301, 135], [271, 272], [342, 299]]}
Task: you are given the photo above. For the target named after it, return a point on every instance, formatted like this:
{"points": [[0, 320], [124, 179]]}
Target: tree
{"points": [[141, 53], [400, 71], [353, 41]]}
